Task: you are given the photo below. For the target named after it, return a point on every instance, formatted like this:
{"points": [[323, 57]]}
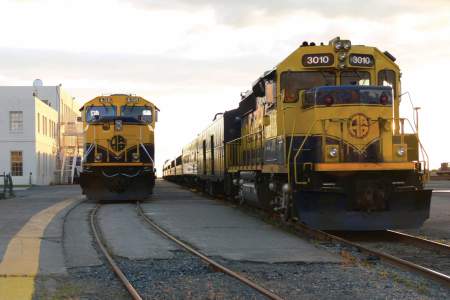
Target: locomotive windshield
{"points": [[140, 113], [95, 113], [355, 78], [293, 82]]}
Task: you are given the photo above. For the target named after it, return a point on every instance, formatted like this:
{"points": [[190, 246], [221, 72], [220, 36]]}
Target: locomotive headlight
{"points": [[333, 152], [135, 156], [401, 151], [98, 157], [286, 188], [346, 44], [338, 45]]}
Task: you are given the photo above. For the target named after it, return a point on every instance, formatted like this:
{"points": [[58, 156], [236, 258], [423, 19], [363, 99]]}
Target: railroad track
{"points": [[351, 239], [98, 238], [386, 246], [427, 257], [215, 265]]}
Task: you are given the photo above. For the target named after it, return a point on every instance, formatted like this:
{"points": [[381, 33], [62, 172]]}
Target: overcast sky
{"points": [[194, 57]]}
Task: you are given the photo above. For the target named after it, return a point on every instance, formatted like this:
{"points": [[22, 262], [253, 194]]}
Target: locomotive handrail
{"points": [[88, 151], [300, 149], [422, 148], [244, 136], [146, 152], [426, 159], [235, 159]]}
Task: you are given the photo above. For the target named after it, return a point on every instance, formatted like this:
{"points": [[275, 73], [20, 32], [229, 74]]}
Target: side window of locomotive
{"points": [[293, 82], [139, 113], [94, 113], [387, 78], [271, 94], [308, 100], [146, 115], [355, 78]]}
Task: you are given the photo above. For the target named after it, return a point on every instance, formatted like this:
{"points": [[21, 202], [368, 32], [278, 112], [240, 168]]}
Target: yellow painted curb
{"points": [[20, 263]]}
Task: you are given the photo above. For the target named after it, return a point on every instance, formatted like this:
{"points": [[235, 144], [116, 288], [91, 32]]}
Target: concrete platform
{"points": [[224, 231], [437, 227]]}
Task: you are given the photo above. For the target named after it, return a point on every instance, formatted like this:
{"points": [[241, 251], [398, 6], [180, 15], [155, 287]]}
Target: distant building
{"points": [[37, 133]]}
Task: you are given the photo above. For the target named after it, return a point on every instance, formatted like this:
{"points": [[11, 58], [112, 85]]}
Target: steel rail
{"points": [[404, 264], [131, 290], [421, 242], [269, 294]]}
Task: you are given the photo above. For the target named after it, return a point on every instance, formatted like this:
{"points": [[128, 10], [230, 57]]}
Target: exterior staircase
{"points": [[70, 154]]}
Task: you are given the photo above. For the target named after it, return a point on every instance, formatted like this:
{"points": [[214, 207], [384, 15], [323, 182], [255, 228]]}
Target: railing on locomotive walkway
{"points": [[8, 186], [245, 152]]}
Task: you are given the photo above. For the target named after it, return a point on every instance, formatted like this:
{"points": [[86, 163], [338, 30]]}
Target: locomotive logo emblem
{"points": [[118, 143], [358, 126]]}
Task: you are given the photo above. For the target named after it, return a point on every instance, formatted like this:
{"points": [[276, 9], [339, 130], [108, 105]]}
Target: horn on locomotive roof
{"points": [[332, 41]]}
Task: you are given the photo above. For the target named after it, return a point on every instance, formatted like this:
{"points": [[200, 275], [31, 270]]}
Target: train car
{"points": [[119, 142], [189, 163], [166, 169], [321, 141], [211, 169]]}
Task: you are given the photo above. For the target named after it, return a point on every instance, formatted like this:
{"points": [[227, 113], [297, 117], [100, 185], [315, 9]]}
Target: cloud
{"points": [[244, 13], [130, 69]]}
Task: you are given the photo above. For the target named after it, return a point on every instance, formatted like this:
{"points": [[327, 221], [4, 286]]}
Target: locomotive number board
{"points": [[318, 60], [361, 60]]}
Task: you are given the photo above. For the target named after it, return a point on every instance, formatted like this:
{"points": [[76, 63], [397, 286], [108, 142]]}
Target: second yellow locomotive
{"points": [[319, 138], [119, 141]]}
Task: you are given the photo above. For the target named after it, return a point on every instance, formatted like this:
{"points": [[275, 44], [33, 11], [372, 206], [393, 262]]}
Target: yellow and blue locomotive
{"points": [[119, 148], [320, 139]]}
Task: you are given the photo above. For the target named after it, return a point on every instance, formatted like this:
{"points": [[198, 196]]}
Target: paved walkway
{"points": [[221, 230]]}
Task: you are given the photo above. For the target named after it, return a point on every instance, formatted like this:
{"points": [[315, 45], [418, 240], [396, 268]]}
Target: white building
{"points": [[33, 121]]}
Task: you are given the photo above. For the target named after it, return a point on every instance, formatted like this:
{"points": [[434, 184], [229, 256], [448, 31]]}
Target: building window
{"points": [[39, 122], [16, 163], [15, 121], [44, 124]]}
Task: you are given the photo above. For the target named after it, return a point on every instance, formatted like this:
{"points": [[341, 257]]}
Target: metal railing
{"points": [[8, 186], [246, 151]]}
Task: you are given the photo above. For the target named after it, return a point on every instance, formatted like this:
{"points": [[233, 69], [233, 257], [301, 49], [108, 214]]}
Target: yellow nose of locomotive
{"points": [[119, 148]]}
